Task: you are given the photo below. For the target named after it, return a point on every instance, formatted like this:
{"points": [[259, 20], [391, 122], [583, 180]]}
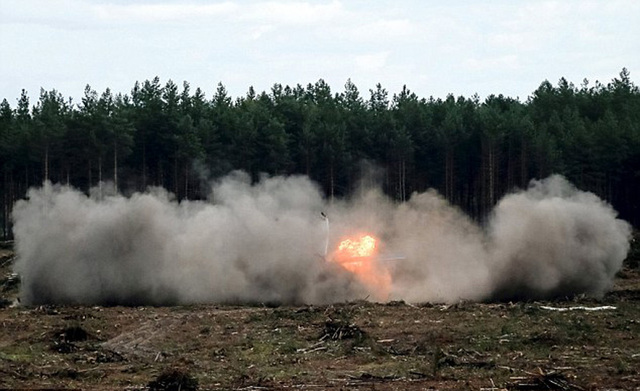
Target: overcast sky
{"points": [[434, 47]]}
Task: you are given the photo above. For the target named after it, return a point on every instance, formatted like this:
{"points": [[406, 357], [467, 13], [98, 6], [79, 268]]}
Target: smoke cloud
{"points": [[266, 243]]}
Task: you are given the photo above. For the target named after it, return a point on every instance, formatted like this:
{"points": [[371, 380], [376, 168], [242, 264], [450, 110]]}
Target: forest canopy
{"points": [[472, 151]]}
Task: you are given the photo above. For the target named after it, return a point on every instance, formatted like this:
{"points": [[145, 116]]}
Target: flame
{"points": [[358, 255], [363, 247]]}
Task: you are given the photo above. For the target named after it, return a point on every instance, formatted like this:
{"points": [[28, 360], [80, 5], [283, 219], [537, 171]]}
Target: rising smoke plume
{"points": [[266, 242]]}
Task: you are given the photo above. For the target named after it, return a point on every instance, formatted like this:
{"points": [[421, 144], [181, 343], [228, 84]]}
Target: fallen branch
{"points": [[316, 349], [365, 376], [546, 381], [419, 374], [581, 308], [6, 260]]}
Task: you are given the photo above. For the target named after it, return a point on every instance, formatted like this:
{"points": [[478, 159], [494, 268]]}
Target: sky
{"points": [[435, 48]]}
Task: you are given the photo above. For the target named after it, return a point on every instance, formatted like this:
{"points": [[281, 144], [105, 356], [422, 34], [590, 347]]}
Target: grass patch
{"points": [[19, 353]]}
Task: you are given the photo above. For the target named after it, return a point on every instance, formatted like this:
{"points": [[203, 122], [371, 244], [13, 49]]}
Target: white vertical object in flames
{"points": [[326, 228]]}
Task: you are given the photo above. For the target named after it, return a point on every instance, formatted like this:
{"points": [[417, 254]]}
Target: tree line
{"points": [[471, 151]]}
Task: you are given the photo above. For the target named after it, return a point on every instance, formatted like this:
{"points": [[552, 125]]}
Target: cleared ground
{"points": [[359, 345]]}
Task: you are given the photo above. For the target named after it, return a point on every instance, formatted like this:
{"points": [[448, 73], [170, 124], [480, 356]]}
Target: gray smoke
{"points": [[265, 243], [554, 240]]}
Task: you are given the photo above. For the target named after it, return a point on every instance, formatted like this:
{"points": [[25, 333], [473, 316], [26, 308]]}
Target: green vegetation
{"points": [[471, 151]]}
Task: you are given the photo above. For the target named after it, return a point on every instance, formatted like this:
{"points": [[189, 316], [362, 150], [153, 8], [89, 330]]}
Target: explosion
{"points": [[259, 243], [365, 246], [359, 255]]}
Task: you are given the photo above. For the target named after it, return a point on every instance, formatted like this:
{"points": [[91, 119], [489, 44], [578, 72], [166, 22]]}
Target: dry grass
{"points": [[356, 345]]}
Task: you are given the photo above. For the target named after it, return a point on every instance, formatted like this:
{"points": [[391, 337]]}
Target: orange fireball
{"points": [[358, 255], [363, 247]]}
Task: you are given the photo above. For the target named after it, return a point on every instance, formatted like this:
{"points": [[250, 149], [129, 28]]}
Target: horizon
{"points": [[364, 92], [459, 48]]}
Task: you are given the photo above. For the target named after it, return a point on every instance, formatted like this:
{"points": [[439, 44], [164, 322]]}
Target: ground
{"points": [[358, 345]]}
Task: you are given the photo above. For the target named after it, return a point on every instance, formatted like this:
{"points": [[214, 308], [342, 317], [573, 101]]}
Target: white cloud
{"points": [[153, 13], [258, 32], [299, 13], [371, 61], [63, 14], [382, 31], [433, 47], [508, 62]]}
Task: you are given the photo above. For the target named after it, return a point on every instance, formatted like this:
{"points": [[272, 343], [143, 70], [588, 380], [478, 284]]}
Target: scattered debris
{"points": [[174, 380], [486, 347], [464, 358], [9, 286], [63, 340], [63, 347], [69, 373], [368, 377], [339, 330], [46, 309], [313, 348], [493, 387], [4, 303], [73, 334], [578, 308], [138, 342], [388, 340], [543, 381], [108, 356], [6, 259]]}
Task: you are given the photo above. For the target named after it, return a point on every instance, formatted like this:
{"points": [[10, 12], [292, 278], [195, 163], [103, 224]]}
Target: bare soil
{"points": [[357, 345]]}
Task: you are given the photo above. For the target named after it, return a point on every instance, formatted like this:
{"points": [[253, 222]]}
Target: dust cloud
{"points": [[265, 243]]}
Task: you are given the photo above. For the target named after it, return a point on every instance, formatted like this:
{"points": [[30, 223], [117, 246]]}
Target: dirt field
{"points": [[394, 346]]}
